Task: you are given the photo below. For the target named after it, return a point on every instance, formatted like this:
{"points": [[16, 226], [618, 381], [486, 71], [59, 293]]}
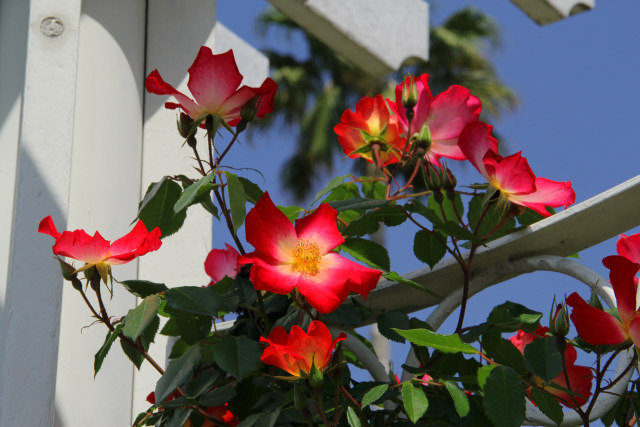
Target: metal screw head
{"points": [[51, 26]]}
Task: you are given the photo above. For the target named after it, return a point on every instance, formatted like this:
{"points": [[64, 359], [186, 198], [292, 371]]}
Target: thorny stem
{"points": [[195, 151], [410, 180], [228, 220], [466, 271], [574, 404]]}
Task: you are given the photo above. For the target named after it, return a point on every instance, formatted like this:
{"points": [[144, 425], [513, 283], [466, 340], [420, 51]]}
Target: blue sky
{"points": [[578, 118]]}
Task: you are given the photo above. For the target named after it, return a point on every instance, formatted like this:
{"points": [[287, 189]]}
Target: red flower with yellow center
{"points": [[301, 256], [96, 251], [298, 351]]}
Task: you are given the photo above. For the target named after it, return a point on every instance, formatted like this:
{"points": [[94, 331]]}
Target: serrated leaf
{"points": [[543, 359], [239, 356], [447, 206], [194, 300], [198, 188], [502, 390], [338, 180], [177, 373], [193, 329], [145, 340], [218, 396], [453, 229], [416, 207], [143, 288], [178, 417], [397, 319], [502, 351], [106, 346], [414, 400], [137, 319], [460, 398], [237, 200], [548, 405], [374, 394], [251, 190], [345, 314], [352, 418], [428, 247], [371, 253], [156, 209], [443, 343], [483, 373]]}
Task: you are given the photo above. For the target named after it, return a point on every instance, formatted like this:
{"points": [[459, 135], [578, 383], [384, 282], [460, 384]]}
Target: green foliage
{"points": [[143, 288], [106, 346], [193, 300], [414, 400], [237, 200], [502, 390], [543, 359], [157, 207], [429, 247], [371, 253], [444, 343], [137, 319], [239, 356], [194, 191], [511, 316], [547, 404], [460, 398], [177, 373], [374, 394], [393, 319]]}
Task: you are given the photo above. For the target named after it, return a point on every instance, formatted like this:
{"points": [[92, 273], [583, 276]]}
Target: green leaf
{"points": [[178, 417], [453, 229], [137, 319], [371, 253], [460, 398], [193, 329], [251, 190], [374, 189], [194, 300], [291, 212], [543, 359], [145, 340], [493, 217], [503, 351], [483, 373], [198, 188], [443, 343], [416, 207], [239, 356], [177, 373], [345, 191], [106, 346], [548, 405], [396, 277], [449, 212], [156, 209], [374, 394], [143, 288], [414, 400], [429, 247], [218, 396], [338, 180], [352, 418], [346, 314], [504, 398], [369, 222], [387, 321], [510, 317], [237, 200], [357, 203]]}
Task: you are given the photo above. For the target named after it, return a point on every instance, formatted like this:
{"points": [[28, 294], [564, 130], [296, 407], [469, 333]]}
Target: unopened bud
{"points": [[316, 378], [424, 137], [449, 180], [559, 322], [185, 126], [594, 301], [191, 141], [409, 96], [433, 178], [249, 110]]}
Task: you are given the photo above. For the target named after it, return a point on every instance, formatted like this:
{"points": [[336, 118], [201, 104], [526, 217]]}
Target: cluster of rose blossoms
{"points": [[299, 259]]}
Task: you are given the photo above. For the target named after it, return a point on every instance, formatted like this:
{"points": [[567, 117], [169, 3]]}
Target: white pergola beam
{"points": [[547, 11], [377, 35], [568, 232]]}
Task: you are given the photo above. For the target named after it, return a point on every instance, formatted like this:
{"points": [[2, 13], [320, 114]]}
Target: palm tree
{"points": [[314, 92]]}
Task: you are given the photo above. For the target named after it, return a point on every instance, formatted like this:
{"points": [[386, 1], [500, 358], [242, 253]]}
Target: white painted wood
{"points": [[104, 192], [547, 11], [570, 231], [376, 35], [31, 311]]}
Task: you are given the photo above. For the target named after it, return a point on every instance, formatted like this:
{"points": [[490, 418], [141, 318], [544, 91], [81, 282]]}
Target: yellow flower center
{"points": [[306, 258]]}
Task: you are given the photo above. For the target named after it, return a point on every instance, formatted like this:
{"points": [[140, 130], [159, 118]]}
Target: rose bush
{"points": [[287, 304]]}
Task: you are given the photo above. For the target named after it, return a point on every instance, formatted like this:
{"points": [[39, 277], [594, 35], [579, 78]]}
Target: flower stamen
{"points": [[306, 258]]}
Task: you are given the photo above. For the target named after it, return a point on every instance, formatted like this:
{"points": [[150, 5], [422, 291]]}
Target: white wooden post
{"points": [[104, 192], [33, 289]]}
